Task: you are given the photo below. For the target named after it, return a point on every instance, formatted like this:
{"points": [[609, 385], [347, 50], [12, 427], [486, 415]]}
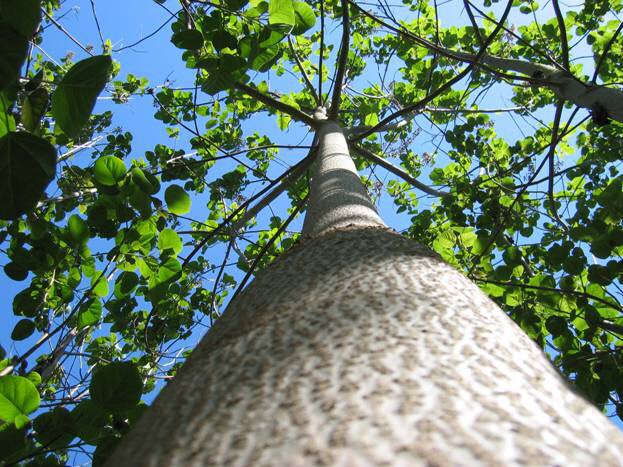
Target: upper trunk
{"points": [[337, 197], [360, 347]]}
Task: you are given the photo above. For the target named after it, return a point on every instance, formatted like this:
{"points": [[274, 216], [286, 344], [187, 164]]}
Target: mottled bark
{"points": [[359, 347]]}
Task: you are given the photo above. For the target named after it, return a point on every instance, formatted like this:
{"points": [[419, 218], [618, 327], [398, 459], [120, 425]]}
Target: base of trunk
{"points": [[361, 347]]}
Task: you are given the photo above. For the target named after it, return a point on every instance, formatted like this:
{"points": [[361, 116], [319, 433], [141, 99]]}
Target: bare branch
{"points": [[308, 82], [564, 44], [342, 61], [296, 114], [551, 158], [398, 172]]}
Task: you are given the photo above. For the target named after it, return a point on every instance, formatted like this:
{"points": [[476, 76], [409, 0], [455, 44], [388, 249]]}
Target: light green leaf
{"points": [[305, 19], [78, 229], [90, 313], [177, 200], [169, 240], [100, 285], [109, 170], [27, 166], [75, 95], [18, 398], [281, 15]]}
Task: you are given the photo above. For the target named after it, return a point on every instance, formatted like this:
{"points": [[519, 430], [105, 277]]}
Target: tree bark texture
{"points": [[359, 347]]}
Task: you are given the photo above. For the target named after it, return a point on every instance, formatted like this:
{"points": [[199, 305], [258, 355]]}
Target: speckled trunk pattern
{"points": [[362, 348]]}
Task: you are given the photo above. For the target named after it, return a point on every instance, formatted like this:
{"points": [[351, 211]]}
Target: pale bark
{"points": [[359, 347]]}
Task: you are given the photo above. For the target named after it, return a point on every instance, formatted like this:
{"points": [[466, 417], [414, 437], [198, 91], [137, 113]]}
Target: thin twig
{"points": [[552, 159], [308, 82], [268, 244]]}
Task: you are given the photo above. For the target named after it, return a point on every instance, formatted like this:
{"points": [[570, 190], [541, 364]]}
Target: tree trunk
{"points": [[360, 347]]}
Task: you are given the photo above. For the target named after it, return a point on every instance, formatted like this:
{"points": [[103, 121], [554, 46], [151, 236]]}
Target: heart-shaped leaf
{"points": [[75, 95], [18, 398], [27, 166], [177, 200], [116, 387]]}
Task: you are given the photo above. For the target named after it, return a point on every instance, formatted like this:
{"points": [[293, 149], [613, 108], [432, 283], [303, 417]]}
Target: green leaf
{"points": [[23, 330], [145, 181], [35, 105], [88, 422], [78, 229], [12, 441], [13, 51], [7, 122], [125, 284], [15, 271], [109, 170], [100, 285], [75, 95], [22, 15], [169, 240], [189, 39], [27, 166], [169, 271], [18, 397], [178, 201], [90, 313], [305, 19], [281, 15], [116, 387], [52, 429]]}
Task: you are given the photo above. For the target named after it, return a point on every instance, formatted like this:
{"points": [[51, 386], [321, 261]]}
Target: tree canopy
{"points": [[489, 131]]}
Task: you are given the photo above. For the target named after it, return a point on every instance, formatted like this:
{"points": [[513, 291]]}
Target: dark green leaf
{"points": [[125, 284], [13, 50], [27, 166], [16, 271], [23, 330], [189, 39], [22, 15], [75, 95], [116, 387], [53, 429], [178, 201], [88, 422]]}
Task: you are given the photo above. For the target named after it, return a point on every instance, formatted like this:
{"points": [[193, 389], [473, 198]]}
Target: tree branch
{"points": [[342, 61], [308, 82], [398, 172], [296, 114], [564, 44]]}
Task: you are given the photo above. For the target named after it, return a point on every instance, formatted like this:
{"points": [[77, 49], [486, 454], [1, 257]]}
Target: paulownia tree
{"points": [[352, 344]]}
